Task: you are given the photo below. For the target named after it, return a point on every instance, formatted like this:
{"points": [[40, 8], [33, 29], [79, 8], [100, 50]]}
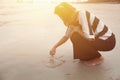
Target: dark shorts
{"points": [[105, 45], [85, 50]]}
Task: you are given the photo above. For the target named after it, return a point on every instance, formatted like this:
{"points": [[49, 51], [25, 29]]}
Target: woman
{"points": [[87, 33]]}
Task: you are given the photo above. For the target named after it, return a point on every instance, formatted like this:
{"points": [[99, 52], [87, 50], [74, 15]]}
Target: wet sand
{"points": [[27, 34]]}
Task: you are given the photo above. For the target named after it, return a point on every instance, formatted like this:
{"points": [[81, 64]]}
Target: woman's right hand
{"points": [[53, 51]]}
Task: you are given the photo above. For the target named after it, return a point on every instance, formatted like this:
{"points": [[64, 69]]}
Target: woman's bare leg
{"points": [[94, 62]]}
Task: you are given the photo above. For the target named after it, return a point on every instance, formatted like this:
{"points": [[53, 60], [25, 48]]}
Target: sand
{"points": [[27, 34]]}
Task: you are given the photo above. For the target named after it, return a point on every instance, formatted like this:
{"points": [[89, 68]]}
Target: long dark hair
{"points": [[64, 10]]}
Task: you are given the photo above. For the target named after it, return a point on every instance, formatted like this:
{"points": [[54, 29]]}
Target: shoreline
{"points": [[96, 2]]}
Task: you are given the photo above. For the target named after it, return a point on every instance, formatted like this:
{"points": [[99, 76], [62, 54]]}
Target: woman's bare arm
{"points": [[61, 41]]}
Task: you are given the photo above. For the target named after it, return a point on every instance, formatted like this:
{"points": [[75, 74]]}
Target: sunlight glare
{"points": [[84, 0]]}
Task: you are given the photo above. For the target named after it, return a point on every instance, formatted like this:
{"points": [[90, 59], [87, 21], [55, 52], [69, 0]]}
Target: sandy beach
{"points": [[28, 32]]}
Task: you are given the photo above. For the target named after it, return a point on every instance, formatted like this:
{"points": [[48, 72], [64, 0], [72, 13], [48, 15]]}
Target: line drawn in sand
{"points": [[55, 61]]}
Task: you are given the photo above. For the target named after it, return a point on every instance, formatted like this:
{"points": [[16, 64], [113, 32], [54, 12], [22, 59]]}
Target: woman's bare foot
{"points": [[94, 62]]}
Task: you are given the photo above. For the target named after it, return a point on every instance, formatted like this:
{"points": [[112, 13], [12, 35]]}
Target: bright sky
{"points": [[41, 3], [52, 0]]}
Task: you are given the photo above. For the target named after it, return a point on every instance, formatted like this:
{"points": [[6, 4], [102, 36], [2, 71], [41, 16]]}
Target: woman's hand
{"points": [[60, 42], [53, 51]]}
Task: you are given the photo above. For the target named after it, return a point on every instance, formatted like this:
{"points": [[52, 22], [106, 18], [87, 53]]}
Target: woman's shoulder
{"points": [[72, 28]]}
